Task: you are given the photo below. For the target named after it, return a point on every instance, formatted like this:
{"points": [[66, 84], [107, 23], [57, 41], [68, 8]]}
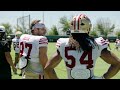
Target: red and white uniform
{"points": [[29, 48], [107, 41], [16, 44], [80, 64], [117, 43]]}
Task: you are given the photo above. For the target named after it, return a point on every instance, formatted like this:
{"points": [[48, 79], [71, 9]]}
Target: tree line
{"points": [[102, 27]]}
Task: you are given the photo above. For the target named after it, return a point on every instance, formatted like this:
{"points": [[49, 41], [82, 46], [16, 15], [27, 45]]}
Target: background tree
{"points": [[64, 24], [23, 23], [104, 26], [8, 28], [117, 33], [53, 31], [93, 32], [18, 29]]}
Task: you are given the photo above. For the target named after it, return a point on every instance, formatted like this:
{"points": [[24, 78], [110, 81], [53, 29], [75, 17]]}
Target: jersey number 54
{"points": [[82, 60]]}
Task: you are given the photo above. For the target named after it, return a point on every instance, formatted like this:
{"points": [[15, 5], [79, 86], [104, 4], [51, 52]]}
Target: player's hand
{"points": [[15, 64], [14, 70]]}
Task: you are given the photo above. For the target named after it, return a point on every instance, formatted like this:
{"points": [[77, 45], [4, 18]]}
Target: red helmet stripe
{"points": [[74, 23], [79, 21]]}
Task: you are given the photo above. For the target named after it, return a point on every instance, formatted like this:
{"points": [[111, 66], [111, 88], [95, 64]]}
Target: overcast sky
{"points": [[52, 17]]}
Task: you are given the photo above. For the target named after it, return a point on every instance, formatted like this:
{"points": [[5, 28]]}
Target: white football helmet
{"points": [[117, 39], [81, 24], [2, 32]]}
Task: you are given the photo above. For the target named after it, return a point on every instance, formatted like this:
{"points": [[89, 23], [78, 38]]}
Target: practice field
{"points": [[100, 67]]}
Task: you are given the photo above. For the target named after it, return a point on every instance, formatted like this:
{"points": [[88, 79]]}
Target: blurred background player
{"points": [[117, 44], [108, 43], [33, 51], [80, 53], [16, 48], [5, 57]]}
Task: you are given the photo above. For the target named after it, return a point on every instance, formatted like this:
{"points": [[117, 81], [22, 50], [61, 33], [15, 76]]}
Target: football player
{"points": [[33, 51], [16, 47], [117, 44], [81, 51], [108, 43], [6, 62]]}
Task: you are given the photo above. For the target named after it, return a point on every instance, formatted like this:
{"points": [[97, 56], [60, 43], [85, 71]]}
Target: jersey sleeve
{"points": [[43, 41], [101, 43], [59, 42]]}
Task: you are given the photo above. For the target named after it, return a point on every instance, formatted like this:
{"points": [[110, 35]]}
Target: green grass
{"points": [[100, 67]]}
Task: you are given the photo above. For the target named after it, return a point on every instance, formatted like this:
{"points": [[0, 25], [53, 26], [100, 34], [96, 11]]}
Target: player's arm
{"points": [[8, 57], [17, 56], [9, 60], [110, 58], [51, 64], [43, 56]]}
